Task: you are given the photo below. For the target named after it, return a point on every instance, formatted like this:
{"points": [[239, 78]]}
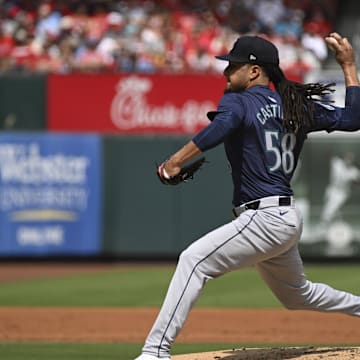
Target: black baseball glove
{"points": [[186, 173]]}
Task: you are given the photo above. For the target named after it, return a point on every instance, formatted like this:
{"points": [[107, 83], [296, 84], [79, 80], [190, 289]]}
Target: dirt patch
{"points": [[238, 326], [305, 353]]}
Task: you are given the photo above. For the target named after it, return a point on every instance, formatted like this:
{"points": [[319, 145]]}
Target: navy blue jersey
{"points": [[261, 153]]}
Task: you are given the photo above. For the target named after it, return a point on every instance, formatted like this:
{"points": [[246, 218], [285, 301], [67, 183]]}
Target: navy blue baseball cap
{"points": [[252, 50]]}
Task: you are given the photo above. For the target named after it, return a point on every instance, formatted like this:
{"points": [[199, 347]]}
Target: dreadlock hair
{"points": [[297, 99]]}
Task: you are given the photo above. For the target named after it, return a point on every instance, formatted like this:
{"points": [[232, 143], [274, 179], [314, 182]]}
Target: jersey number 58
{"points": [[282, 148]]}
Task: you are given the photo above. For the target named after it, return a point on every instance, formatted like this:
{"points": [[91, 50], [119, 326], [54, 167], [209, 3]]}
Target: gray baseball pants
{"points": [[265, 238]]}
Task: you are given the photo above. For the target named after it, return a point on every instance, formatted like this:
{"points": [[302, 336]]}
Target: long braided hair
{"points": [[297, 99]]}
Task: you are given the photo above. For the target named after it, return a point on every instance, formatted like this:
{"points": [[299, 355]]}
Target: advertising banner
{"points": [[132, 104], [49, 194]]}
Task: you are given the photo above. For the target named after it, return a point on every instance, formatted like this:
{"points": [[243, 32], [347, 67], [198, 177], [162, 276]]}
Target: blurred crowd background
{"points": [[165, 36]]}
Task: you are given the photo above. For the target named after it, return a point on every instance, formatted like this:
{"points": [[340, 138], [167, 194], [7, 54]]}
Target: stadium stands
{"points": [[148, 36]]}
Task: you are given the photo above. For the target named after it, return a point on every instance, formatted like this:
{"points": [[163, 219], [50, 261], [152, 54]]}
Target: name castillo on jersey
{"points": [[269, 111]]}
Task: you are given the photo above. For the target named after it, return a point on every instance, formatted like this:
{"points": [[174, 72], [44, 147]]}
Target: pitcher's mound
{"points": [[303, 353]]}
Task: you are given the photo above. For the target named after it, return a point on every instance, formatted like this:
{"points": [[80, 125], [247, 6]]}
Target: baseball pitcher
{"points": [[263, 131]]}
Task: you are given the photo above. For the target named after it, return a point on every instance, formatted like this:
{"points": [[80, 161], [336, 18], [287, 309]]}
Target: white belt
{"points": [[264, 203]]}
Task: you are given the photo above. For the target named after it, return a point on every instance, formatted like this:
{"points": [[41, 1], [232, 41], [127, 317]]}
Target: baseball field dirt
{"points": [[239, 326], [304, 353]]}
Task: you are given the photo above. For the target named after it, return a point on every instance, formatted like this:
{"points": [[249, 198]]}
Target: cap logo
{"points": [[252, 57]]}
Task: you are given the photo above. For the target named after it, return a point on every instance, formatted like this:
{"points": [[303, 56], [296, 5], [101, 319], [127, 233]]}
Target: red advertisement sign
{"points": [[134, 103]]}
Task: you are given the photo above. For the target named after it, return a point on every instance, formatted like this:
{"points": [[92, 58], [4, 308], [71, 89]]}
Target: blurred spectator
{"points": [[89, 59], [109, 44], [7, 42], [268, 13], [313, 41], [48, 22], [318, 20], [299, 67], [291, 24]]}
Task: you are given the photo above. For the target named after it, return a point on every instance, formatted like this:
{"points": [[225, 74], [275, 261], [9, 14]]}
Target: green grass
{"points": [[61, 351], [66, 351], [123, 351], [147, 287]]}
